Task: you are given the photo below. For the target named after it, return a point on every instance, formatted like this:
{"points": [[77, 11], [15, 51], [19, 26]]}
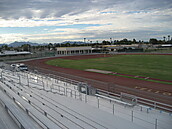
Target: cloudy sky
{"points": [[45, 21]]}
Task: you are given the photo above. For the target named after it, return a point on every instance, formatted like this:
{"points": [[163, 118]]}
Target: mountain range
{"points": [[19, 44], [2, 44], [72, 42]]}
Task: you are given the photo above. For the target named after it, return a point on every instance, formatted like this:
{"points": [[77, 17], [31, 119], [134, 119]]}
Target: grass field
{"points": [[154, 66]]}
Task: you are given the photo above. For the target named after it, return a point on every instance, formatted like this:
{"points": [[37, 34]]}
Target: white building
{"points": [[14, 53], [74, 50]]}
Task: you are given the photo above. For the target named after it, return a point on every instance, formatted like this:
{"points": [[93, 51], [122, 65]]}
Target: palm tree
{"points": [[164, 38], [84, 40], [168, 37], [111, 40]]}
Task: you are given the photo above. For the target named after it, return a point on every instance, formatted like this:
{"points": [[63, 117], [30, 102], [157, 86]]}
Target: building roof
{"points": [[12, 53]]}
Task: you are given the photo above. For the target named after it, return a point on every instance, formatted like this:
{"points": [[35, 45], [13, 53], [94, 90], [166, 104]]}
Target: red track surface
{"points": [[151, 90]]}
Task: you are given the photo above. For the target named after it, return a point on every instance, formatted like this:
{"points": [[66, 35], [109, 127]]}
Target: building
{"points": [[74, 50], [14, 53], [6, 55]]}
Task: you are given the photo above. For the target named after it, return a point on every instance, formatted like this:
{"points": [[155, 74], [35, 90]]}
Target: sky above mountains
{"points": [[96, 20]]}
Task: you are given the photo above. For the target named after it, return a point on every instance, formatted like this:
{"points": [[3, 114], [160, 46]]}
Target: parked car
{"points": [[13, 65], [21, 67]]}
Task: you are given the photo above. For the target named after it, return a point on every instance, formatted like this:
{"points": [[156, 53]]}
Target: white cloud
{"points": [[9, 38], [114, 18]]}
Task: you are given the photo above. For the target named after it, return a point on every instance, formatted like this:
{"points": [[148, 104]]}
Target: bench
{"points": [[19, 116], [24, 118]]}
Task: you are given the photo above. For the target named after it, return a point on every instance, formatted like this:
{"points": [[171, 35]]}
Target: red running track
{"points": [[150, 90]]}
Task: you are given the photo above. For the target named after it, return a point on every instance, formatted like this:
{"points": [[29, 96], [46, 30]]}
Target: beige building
{"points": [[74, 50]]}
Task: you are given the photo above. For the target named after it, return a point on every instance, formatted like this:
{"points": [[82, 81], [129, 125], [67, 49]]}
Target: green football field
{"points": [[154, 66]]}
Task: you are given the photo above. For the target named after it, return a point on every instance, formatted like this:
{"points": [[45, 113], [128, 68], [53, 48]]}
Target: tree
{"points": [[105, 42], [84, 40], [164, 38], [26, 47], [168, 37], [111, 40], [67, 44], [125, 40], [5, 47], [134, 41], [50, 45], [153, 41]]}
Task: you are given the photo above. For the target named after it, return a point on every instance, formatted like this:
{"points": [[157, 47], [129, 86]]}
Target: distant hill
{"points": [[2, 45], [18, 44], [72, 42]]}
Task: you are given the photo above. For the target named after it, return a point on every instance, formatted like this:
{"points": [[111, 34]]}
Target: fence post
{"points": [[85, 98], [28, 79], [37, 78], [27, 111], [19, 79], [132, 116], [65, 91], [14, 99], [42, 82], [75, 94], [1, 74], [59, 89], [80, 95], [45, 113], [147, 110], [47, 82], [51, 87], [6, 108], [113, 109], [71, 93], [155, 105], [43, 85], [156, 123], [98, 102]]}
